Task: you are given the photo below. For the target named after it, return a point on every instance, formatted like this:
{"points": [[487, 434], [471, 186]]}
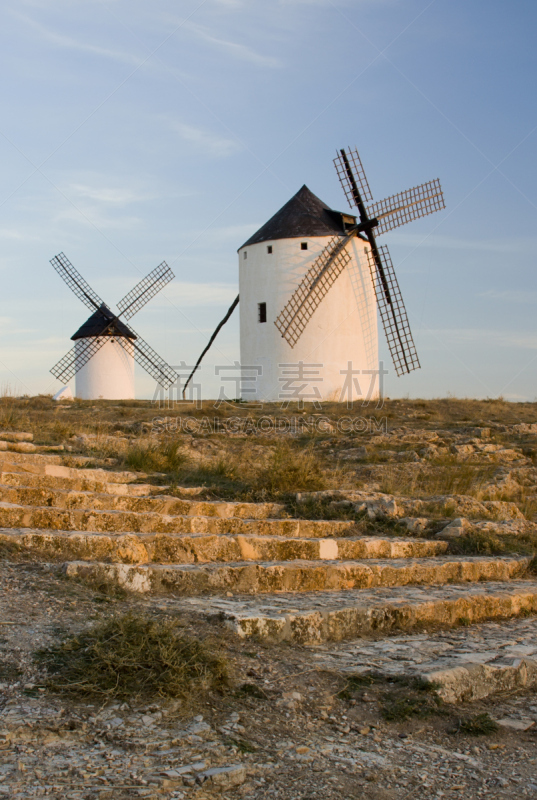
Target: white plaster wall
{"points": [[109, 374], [342, 329]]}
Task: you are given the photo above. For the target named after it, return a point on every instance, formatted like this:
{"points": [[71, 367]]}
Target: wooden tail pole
{"points": [[230, 311]]}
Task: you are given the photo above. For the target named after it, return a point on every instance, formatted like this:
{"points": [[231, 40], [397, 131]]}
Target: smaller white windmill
{"points": [[105, 348]]}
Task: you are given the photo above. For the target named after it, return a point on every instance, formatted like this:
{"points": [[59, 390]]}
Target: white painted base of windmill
{"points": [[109, 374], [341, 332]]}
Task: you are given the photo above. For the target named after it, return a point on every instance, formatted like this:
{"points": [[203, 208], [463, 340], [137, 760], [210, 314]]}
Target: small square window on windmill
{"points": [[306, 217], [105, 347]]}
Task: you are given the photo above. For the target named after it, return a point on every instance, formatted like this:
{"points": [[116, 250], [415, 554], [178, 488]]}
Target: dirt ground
{"points": [[282, 728]]}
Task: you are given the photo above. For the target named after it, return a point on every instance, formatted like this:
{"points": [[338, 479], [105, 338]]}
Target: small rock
{"points": [[415, 524], [516, 724], [224, 777], [458, 527], [292, 696], [353, 452]]}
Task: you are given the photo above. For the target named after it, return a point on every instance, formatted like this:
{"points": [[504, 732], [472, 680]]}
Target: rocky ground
{"points": [[282, 731], [315, 709]]}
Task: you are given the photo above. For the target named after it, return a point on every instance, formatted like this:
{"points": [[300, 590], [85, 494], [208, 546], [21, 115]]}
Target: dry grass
{"points": [[290, 470], [399, 697], [478, 725], [437, 479], [489, 544], [287, 468], [320, 508], [156, 457], [130, 657], [37, 414]]}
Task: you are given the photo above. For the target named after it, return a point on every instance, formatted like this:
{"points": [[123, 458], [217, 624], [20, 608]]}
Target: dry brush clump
{"points": [[399, 697], [234, 474], [156, 456], [430, 480], [133, 657], [486, 543], [478, 725]]}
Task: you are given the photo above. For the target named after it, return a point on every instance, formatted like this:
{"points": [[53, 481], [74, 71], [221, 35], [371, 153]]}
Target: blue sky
{"points": [[134, 132]]}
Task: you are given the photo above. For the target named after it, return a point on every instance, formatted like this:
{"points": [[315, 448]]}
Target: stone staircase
{"points": [[308, 582]]}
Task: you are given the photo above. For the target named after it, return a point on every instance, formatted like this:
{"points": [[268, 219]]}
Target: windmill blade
{"points": [[77, 357], [392, 311], [404, 207], [76, 282], [315, 284], [352, 177], [153, 364], [145, 290]]}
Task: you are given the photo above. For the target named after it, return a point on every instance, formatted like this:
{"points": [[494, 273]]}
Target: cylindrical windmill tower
{"points": [[104, 371], [336, 354]]}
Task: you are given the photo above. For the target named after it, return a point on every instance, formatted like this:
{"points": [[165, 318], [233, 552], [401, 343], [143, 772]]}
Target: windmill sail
{"points": [[153, 364], [76, 282], [404, 207], [392, 312], [145, 290], [352, 176], [315, 284], [77, 357]]}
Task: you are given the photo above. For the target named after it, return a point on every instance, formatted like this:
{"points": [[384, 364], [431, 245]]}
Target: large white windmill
{"points": [[105, 348], [319, 277]]}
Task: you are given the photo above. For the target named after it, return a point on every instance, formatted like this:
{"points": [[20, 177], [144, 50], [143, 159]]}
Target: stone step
{"points": [[466, 663], [35, 460], [163, 548], [80, 483], [312, 618], [162, 504], [17, 516], [297, 576], [52, 465]]}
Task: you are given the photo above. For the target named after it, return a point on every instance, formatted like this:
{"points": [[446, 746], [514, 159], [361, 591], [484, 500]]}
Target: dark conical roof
{"points": [[94, 325], [303, 215]]}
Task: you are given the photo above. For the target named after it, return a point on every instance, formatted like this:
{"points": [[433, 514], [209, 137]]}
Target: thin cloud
{"points": [[239, 51], [95, 218], [108, 195], [67, 42], [207, 141], [11, 233]]}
